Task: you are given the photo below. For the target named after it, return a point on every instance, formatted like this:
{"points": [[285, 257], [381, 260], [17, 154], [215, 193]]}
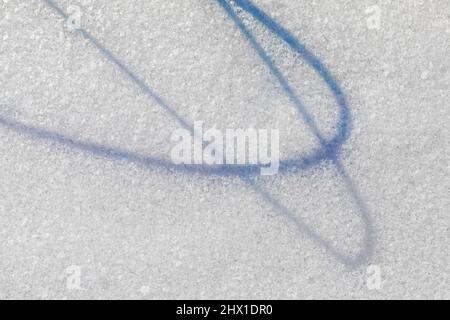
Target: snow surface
{"points": [[129, 229]]}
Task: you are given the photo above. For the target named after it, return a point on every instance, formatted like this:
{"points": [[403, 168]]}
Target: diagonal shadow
{"points": [[329, 148]]}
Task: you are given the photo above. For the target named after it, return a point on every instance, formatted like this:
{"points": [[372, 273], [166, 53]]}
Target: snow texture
{"points": [[92, 207]]}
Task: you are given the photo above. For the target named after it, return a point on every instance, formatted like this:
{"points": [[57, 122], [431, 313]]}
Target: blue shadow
{"points": [[329, 148]]}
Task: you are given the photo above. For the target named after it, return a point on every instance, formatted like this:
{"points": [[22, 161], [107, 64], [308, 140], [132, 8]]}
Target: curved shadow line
{"points": [[332, 146], [329, 149], [115, 153], [244, 172]]}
